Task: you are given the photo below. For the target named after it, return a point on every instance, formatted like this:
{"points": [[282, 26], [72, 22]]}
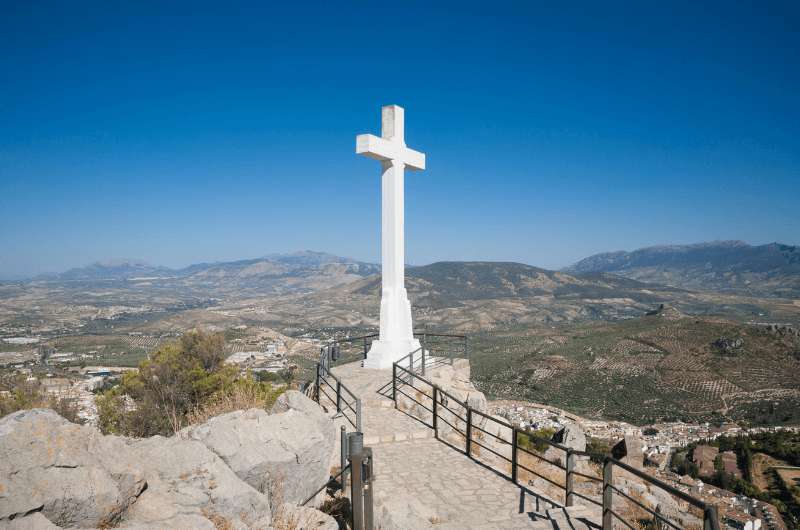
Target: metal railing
{"points": [[329, 389], [504, 448]]}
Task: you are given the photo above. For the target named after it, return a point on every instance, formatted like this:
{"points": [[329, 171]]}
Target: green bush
{"points": [[182, 380]]}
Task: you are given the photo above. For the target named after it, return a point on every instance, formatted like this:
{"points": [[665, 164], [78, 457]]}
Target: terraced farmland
{"points": [[654, 368]]}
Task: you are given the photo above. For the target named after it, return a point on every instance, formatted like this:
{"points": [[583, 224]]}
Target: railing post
{"points": [[367, 480], [365, 347], [514, 443], [343, 457], [394, 384], [355, 453], [570, 482], [338, 396], [608, 480], [469, 431], [423, 357], [710, 518], [435, 412], [316, 391]]}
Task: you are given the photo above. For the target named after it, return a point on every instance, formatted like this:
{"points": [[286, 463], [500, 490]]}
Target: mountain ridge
{"points": [[772, 269]]}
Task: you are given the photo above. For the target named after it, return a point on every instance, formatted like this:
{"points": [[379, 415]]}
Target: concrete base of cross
{"points": [[384, 353]]}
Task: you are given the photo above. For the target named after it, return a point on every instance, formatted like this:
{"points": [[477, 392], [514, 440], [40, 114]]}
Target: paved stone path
{"points": [[419, 479]]}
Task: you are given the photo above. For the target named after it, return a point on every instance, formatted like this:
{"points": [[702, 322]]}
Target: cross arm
{"points": [[382, 149]]}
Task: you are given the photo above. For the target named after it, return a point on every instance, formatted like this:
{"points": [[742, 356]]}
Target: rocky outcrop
{"points": [[71, 474], [629, 450], [571, 436], [285, 455], [56, 474]]}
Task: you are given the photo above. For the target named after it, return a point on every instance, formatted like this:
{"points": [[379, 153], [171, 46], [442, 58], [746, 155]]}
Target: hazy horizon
{"points": [[551, 134], [111, 261]]}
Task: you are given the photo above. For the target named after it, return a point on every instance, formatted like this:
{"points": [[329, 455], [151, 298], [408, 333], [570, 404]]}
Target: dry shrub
{"points": [[243, 394], [219, 522]]}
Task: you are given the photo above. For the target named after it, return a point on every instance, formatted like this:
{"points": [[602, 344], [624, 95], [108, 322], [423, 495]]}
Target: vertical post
{"points": [[570, 477], [469, 431], [338, 396], [423, 359], [355, 452], [368, 517], [316, 391], [365, 347], [514, 442], [608, 480], [343, 457], [435, 412], [710, 518], [394, 384]]}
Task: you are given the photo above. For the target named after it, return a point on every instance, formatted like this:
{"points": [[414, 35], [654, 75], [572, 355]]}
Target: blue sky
{"points": [[211, 131]]}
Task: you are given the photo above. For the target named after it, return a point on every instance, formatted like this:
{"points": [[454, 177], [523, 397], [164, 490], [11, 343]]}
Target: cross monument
{"points": [[396, 338]]}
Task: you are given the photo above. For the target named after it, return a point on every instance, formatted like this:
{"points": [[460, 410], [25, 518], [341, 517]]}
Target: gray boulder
{"points": [[629, 450], [66, 475], [571, 436], [285, 455], [188, 483], [70, 473]]}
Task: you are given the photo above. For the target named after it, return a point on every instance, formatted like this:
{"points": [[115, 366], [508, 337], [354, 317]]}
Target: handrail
{"points": [[710, 518], [327, 482], [322, 375], [697, 503]]}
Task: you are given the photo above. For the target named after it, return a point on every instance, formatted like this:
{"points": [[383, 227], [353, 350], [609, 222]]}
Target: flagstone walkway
{"points": [[420, 480]]}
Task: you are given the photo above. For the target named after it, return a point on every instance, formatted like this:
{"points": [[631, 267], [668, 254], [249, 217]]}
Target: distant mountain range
{"points": [[725, 266], [272, 274]]}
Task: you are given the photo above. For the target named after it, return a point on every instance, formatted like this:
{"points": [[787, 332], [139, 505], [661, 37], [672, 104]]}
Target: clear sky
{"points": [[179, 133]]}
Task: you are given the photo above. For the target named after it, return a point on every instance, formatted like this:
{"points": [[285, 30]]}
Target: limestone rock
{"points": [[629, 450], [187, 482], [34, 521], [53, 472], [286, 454], [70, 473], [571, 436]]}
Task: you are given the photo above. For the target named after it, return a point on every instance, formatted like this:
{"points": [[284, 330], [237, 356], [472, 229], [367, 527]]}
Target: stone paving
{"points": [[425, 483]]}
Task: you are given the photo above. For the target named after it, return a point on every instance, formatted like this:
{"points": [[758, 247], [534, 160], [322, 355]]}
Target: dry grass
{"points": [[219, 522], [241, 396]]}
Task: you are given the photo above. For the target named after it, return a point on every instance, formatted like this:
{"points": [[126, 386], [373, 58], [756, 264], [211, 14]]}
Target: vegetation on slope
{"points": [[183, 382]]}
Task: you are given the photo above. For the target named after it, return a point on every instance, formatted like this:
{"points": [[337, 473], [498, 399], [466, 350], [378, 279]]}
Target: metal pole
{"points": [[343, 457], [514, 442], [368, 517], [469, 431], [710, 518], [435, 412], [316, 392], [338, 396], [394, 384], [356, 455], [608, 480], [365, 347], [570, 477], [423, 355]]}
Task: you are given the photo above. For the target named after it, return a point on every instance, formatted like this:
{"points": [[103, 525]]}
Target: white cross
{"points": [[396, 330], [391, 146]]}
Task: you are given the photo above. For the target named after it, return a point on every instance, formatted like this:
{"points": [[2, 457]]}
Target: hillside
{"points": [[472, 296], [727, 266], [664, 366]]}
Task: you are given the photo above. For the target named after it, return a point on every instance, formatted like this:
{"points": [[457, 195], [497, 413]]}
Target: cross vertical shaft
{"points": [[396, 331]]}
